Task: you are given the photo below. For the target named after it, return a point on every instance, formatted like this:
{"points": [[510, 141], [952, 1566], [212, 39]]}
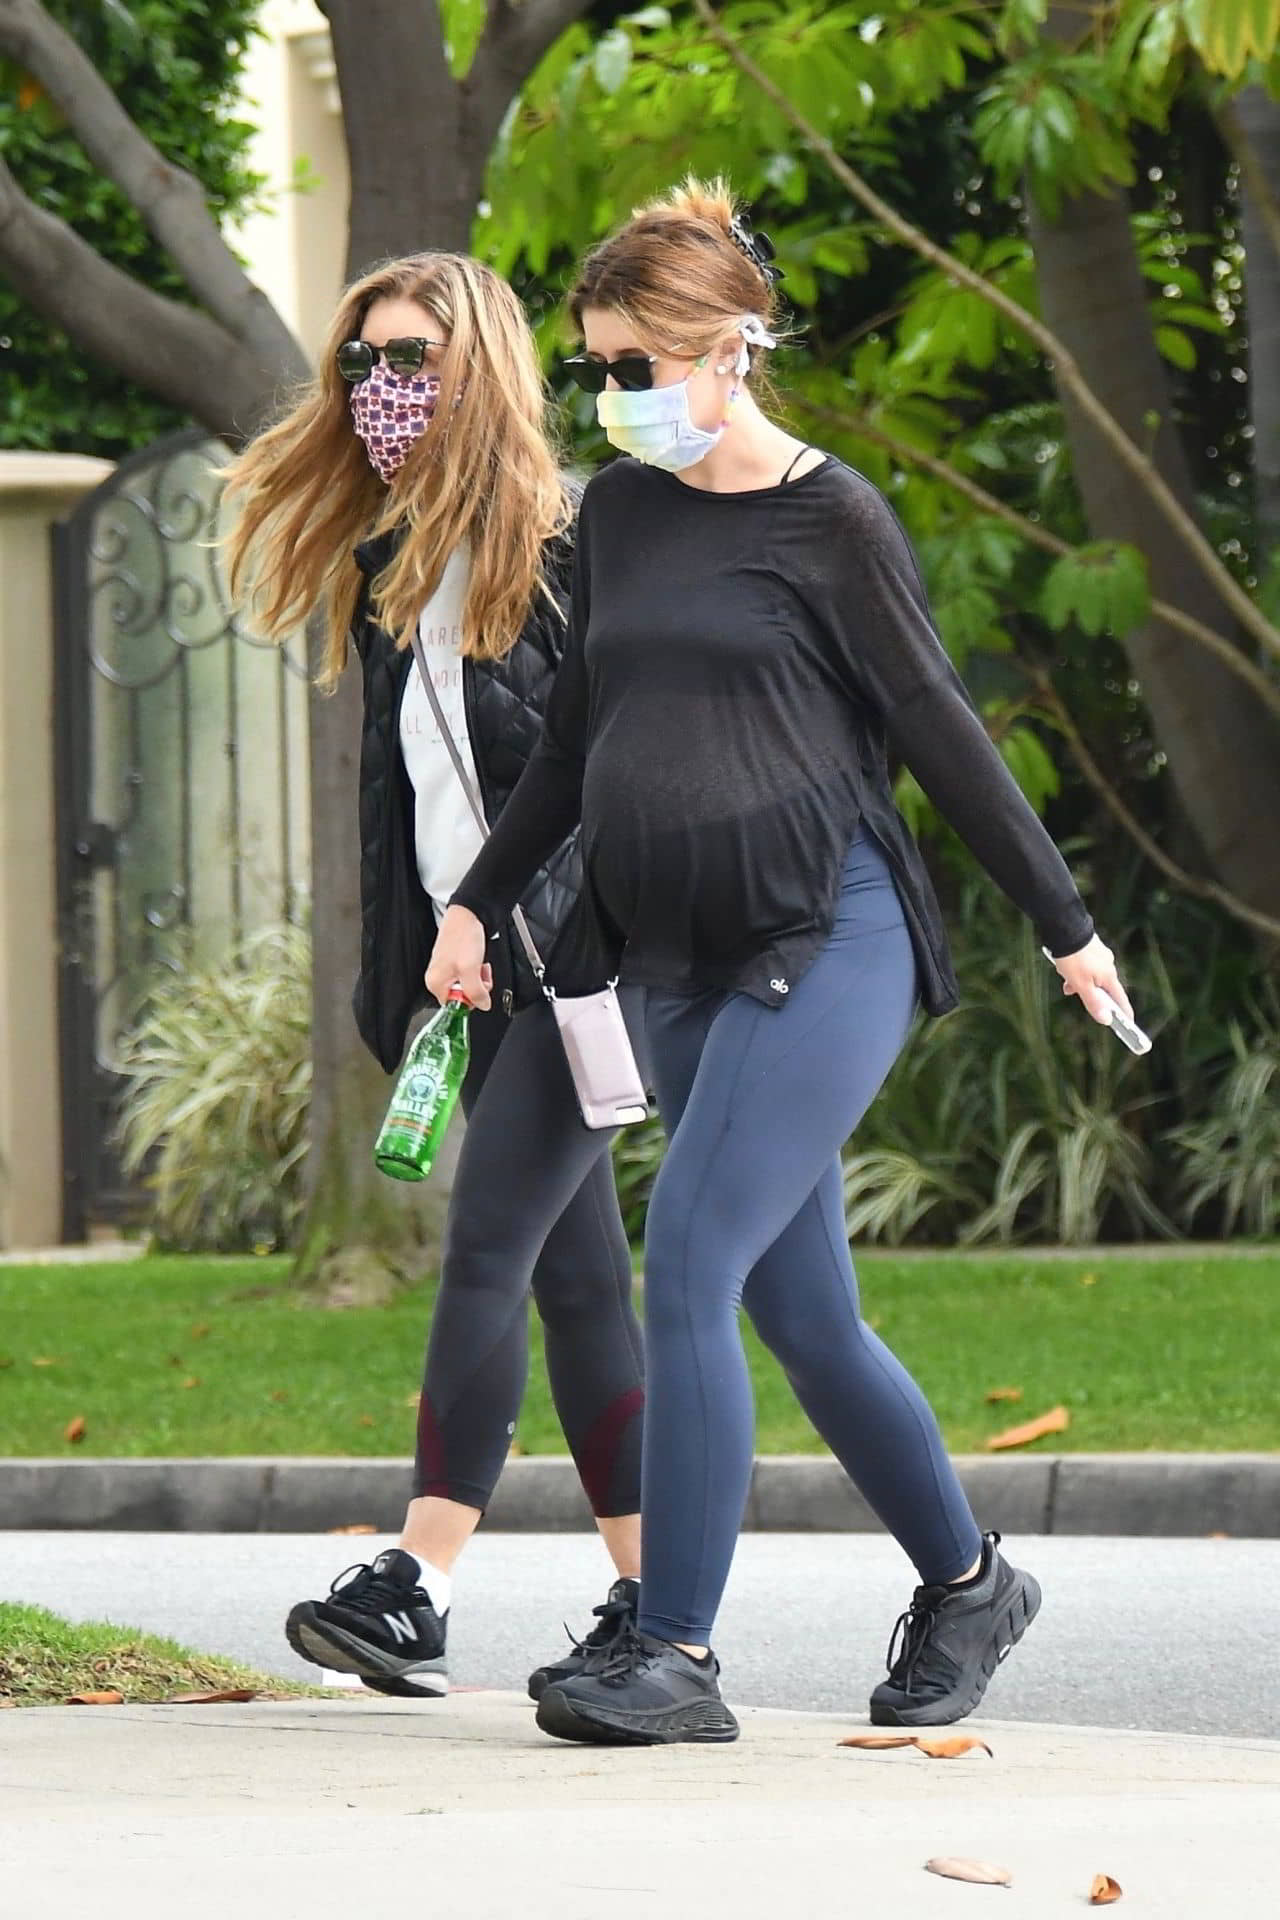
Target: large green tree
{"points": [[1106, 496], [176, 70]]}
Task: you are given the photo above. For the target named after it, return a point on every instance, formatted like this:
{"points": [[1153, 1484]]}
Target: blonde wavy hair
{"points": [[485, 471], [677, 276]]}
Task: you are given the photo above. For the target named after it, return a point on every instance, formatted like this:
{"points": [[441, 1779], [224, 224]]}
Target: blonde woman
{"points": [[749, 637], [413, 485]]}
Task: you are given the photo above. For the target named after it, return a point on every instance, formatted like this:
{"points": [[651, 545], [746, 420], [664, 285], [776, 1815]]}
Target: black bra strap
{"points": [[794, 464]]}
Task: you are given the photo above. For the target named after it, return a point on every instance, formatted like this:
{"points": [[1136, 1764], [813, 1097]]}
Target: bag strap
{"points": [[468, 787]]}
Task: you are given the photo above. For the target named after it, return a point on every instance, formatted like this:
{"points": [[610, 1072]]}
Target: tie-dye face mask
{"points": [[390, 411]]}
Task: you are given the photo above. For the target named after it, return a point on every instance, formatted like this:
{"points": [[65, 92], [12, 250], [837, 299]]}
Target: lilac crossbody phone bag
{"points": [[606, 1079]]}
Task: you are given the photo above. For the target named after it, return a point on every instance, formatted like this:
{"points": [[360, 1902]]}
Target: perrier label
{"points": [[426, 1094]]}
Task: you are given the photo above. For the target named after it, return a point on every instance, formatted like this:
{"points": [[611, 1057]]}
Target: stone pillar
{"points": [[36, 489]]}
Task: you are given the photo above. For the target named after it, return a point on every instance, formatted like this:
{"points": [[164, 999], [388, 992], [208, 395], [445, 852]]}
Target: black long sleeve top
{"points": [[736, 668]]}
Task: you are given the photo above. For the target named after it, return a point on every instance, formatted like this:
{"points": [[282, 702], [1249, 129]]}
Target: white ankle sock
{"points": [[437, 1586]]}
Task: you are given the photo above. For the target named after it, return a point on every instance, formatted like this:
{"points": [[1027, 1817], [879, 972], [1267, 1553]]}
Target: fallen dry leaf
{"points": [[998, 1394], [6, 1360], [281, 1393], [192, 1380], [111, 1699], [1105, 1891], [934, 1746], [201, 1332], [979, 1871], [366, 1419], [1057, 1420], [44, 1361], [75, 1430], [951, 1749], [414, 1400], [361, 1526], [874, 1742], [211, 1699]]}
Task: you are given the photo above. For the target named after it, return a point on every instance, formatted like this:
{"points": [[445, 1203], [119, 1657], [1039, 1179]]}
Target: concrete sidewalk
{"points": [[462, 1810]]}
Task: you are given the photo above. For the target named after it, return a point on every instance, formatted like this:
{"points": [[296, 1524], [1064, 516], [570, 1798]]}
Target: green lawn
{"points": [[186, 1356], [44, 1658]]}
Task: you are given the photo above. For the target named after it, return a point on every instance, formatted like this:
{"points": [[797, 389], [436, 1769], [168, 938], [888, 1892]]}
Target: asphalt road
{"points": [[1168, 1635]]}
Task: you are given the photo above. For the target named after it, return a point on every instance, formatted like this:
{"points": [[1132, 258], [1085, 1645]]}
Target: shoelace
{"points": [[370, 1592], [628, 1657], [611, 1615], [910, 1636]]}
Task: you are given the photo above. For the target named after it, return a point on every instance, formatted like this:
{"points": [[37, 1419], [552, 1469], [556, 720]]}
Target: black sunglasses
{"points": [[357, 359], [632, 371]]}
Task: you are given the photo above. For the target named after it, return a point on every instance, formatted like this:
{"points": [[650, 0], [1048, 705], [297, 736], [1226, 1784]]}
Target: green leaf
{"points": [[1101, 588], [1030, 763], [1176, 347]]}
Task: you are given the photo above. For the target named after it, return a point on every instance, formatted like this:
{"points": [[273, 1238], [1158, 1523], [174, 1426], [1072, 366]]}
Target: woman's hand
{"points": [[457, 960], [1091, 973]]}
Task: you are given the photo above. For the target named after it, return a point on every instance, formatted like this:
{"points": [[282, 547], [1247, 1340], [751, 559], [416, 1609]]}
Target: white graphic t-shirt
{"points": [[446, 836]]}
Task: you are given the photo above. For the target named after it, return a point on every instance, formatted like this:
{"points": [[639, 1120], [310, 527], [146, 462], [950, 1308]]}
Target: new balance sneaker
{"points": [[950, 1641], [645, 1693], [615, 1616], [378, 1623]]}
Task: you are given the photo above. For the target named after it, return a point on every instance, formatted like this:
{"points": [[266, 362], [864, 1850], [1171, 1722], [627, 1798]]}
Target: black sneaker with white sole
{"points": [[645, 1693], [615, 1616], [950, 1641], [377, 1622]]}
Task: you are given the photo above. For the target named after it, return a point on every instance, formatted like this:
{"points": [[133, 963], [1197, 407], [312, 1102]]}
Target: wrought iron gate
{"points": [[181, 765]]}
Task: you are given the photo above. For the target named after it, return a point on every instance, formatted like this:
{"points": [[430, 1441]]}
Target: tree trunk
{"points": [[1223, 749], [1258, 116], [421, 188], [361, 1232]]}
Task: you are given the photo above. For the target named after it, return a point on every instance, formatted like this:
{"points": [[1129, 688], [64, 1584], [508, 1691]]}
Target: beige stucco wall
{"points": [[295, 249], [35, 490]]}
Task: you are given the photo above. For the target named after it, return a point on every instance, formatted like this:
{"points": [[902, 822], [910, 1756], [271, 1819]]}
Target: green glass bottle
{"points": [[426, 1094]]}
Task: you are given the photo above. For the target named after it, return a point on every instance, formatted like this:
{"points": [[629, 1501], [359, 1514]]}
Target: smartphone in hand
{"points": [[1126, 1030]]}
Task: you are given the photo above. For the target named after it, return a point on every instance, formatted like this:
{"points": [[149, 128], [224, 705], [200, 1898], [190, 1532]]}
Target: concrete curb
{"points": [[1143, 1494]]}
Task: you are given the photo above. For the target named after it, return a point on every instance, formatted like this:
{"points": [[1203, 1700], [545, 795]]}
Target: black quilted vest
{"points": [[504, 706]]}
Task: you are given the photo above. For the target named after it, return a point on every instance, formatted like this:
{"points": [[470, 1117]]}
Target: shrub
{"points": [[218, 1080]]}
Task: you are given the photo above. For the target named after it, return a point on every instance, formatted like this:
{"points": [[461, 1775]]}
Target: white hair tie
{"points": [[755, 332]]}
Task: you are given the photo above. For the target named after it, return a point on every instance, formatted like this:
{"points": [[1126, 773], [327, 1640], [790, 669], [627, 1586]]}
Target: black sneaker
{"points": [[617, 1613], [645, 1693], [377, 1622], [950, 1641]]}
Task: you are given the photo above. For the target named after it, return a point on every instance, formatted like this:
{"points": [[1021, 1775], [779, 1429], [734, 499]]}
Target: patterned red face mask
{"points": [[390, 411]]}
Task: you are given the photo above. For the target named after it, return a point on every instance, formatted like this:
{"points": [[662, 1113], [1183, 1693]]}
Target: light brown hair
{"points": [[676, 275], [485, 471]]}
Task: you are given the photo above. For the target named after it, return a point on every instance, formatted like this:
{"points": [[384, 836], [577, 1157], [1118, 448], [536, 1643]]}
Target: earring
{"points": [[724, 368]]}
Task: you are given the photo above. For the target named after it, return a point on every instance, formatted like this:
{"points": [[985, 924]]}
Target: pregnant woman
{"points": [[749, 639]]}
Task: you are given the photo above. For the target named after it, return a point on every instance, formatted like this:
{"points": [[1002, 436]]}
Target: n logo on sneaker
{"points": [[401, 1626]]}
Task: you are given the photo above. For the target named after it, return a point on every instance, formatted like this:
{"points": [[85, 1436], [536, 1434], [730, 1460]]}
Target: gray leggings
{"points": [[748, 1210]]}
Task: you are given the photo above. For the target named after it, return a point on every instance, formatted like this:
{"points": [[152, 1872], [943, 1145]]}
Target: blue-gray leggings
{"points": [[748, 1210]]}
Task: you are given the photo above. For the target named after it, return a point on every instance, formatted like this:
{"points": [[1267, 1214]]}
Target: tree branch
{"points": [[529, 29], [170, 200], [1176, 875], [517, 33], [1250, 616], [172, 350], [1039, 536], [1253, 174]]}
